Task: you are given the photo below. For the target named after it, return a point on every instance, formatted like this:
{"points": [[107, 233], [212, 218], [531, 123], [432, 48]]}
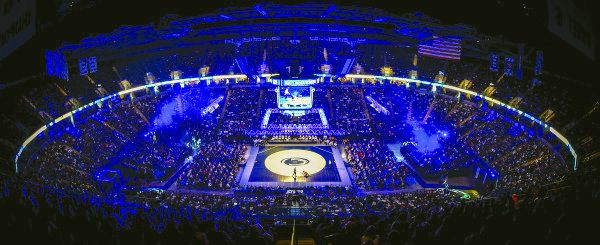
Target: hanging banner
{"points": [[520, 62], [508, 66], [494, 62], [573, 24], [539, 61], [93, 67], [17, 24], [56, 65], [83, 66]]}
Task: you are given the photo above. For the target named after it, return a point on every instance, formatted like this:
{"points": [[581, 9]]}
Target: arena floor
{"points": [[273, 165]]}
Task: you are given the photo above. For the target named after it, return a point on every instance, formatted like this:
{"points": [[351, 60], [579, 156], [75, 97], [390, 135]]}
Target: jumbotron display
{"points": [[274, 124], [295, 98]]}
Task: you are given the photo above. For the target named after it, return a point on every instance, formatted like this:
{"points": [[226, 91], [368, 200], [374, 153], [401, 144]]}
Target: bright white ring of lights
{"points": [[311, 162]]}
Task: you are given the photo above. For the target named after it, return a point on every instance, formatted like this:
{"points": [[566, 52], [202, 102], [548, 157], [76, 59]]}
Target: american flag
{"points": [[441, 47]]}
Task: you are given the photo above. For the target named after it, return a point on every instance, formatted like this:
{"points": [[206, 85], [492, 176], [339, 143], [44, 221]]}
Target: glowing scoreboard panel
{"points": [[294, 97]]}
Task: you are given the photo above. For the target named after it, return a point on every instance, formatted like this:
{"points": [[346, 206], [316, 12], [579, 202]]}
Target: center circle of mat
{"points": [[284, 162]]}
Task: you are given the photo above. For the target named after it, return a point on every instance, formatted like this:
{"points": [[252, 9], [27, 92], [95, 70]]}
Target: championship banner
{"points": [[508, 66], [17, 24], [51, 65], [539, 60], [56, 65], [494, 62], [64, 67], [83, 66], [520, 63], [573, 25], [93, 66]]}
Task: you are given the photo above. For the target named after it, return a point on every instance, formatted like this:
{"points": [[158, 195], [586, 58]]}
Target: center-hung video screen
{"points": [[294, 97]]}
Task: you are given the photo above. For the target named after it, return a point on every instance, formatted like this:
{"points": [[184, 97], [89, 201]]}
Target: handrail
{"points": [[293, 239]]}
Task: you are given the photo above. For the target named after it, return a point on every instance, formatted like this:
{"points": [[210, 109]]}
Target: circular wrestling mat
{"points": [[284, 162]]}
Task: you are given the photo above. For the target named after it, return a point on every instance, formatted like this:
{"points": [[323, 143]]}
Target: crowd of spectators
{"points": [[469, 135], [37, 213], [241, 112], [374, 166], [521, 156], [476, 137], [61, 202], [553, 214], [215, 167], [348, 111], [148, 161]]}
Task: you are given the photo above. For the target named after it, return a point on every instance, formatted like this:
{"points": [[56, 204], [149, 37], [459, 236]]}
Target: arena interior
{"points": [[299, 123]]}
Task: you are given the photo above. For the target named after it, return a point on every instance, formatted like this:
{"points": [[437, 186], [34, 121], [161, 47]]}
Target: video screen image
{"points": [[295, 98]]}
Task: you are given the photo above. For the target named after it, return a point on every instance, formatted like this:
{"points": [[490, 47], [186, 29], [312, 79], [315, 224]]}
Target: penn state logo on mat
{"points": [[295, 161], [284, 162]]}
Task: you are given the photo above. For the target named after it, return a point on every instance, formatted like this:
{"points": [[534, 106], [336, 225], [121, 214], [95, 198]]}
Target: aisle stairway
{"points": [[293, 234], [331, 111], [366, 109], [261, 97], [301, 241], [224, 111]]}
